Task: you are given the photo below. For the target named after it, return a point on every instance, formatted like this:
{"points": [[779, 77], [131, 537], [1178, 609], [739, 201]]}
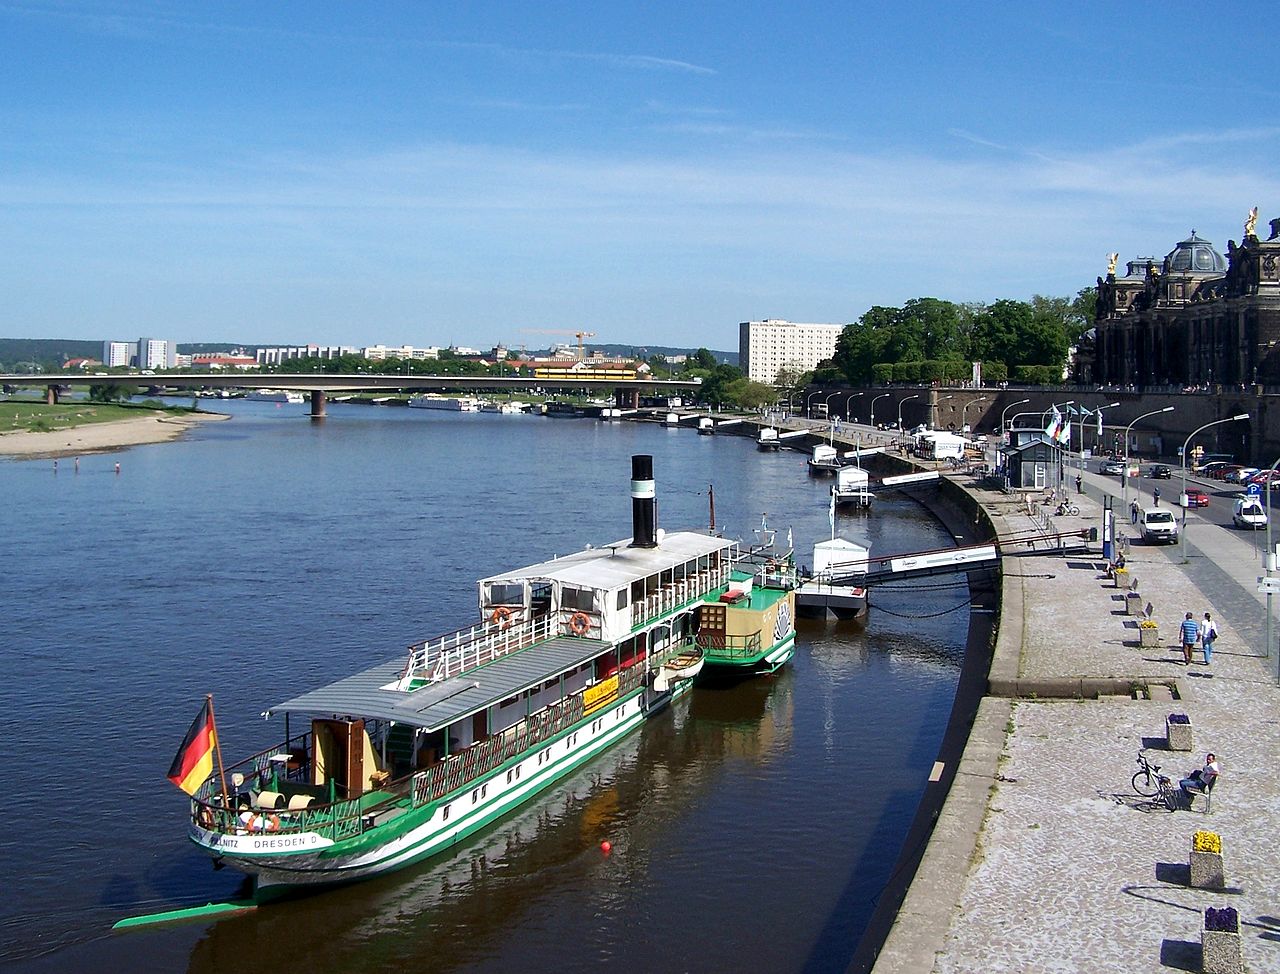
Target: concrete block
{"points": [[1206, 870], [1220, 952], [1178, 737]]}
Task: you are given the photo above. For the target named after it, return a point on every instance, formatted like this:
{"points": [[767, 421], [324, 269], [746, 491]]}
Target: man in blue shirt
{"points": [[1190, 633]]}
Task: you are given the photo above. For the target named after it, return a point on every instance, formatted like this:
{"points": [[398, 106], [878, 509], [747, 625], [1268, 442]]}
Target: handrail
{"points": [[456, 652], [256, 763]]}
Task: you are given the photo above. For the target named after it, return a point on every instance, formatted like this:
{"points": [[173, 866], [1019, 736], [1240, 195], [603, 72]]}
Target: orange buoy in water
{"points": [[606, 847]]}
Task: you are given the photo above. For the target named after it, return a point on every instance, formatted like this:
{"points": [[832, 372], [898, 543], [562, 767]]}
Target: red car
{"points": [[1197, 498]]}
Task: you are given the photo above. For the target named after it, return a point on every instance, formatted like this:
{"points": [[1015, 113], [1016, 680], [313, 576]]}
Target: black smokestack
{"points": [[644, 513]]}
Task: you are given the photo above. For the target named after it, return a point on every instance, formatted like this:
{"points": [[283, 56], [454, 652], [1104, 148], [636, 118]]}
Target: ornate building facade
{"points": [[1196, 319]]}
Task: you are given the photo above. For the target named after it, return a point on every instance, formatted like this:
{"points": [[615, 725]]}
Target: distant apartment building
{"points": [[217, 363], [157, 353], [766, 347], [274, 356], [118, 354]]}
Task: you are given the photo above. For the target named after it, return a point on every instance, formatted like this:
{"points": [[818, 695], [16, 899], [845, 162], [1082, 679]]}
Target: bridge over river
{"points": [[626, 392]]}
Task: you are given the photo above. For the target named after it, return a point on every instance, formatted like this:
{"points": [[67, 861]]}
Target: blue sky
{"points": [[453, 173]]}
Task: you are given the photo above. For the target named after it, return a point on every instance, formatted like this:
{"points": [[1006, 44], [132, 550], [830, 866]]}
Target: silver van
{"points": [[1158, 524], [1249, 513]]}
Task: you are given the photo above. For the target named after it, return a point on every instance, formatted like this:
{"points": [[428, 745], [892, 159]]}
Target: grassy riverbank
{"points": [[26, 416]]}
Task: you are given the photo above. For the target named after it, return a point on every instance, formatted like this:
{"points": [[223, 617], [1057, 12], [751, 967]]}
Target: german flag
{"points": [[194, 761]]}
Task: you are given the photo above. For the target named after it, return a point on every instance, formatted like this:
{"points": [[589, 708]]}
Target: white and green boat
{"points": [[407, 758]]}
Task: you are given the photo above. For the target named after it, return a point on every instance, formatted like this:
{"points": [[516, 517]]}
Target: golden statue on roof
{"points": [[1111, 262], [1250, 222]]}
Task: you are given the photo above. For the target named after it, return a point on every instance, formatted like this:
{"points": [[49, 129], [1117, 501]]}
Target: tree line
{"points": [[930, 339]]}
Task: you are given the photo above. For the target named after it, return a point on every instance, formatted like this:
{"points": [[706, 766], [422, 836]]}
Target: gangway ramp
{"points": [[940, 561]]}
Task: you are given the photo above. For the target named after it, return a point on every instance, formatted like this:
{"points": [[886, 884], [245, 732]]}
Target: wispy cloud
{"points": [[976, 139]]}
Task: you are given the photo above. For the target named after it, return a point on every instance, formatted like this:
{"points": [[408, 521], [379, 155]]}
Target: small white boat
{"points": [[275, 395], [852, 488], [768, 439], [833, 589], [706, 426], [825, 459], [671, 419]]}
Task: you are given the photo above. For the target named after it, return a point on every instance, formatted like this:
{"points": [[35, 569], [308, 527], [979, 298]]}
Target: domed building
{"points": [[1196, 318]]}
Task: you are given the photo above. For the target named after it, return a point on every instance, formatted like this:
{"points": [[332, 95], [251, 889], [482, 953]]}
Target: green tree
{"points": [[110, 393], [750, 395], [701, 360], [938, 327]]}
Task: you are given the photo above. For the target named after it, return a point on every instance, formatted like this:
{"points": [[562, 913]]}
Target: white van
{"points": [[1249, 513], [1158, 524]]}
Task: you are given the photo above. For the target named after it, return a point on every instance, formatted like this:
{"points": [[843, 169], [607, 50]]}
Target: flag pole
{"points": [[217, 750]]}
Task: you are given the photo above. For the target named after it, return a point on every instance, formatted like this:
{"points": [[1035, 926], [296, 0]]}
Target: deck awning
{"points": [[439, 704]]}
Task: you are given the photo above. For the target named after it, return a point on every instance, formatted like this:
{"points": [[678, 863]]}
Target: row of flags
{"points": [[1059, 428]]}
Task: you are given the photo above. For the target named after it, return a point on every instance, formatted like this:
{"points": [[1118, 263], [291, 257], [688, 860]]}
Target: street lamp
{"points": [[933, 411], [965, 408], [1183, 498], [808, 399], [827, 402], [848, 416], [1097, 440], [900, 402], [1124, 475], [873, 408], [1004, 412]]}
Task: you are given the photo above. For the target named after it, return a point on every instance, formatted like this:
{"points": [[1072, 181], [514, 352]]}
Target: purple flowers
{"points": [[1179, 719], [1225, 920]]}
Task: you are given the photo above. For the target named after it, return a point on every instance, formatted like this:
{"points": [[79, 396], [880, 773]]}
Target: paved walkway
{"points": [[1071, 870]]}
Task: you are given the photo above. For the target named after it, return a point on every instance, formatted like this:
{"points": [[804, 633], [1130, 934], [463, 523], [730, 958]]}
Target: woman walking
{"points": [[1208, 634]]}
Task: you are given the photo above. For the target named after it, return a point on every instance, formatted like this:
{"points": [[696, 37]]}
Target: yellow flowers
{"points": [[1204, 841], [1148, 624]]}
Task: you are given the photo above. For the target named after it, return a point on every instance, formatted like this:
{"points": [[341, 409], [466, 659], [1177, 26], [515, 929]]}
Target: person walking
{"points": [[1208, 634], [1133, 511], [1190, 633], [1079, 484], [1156, 494]]}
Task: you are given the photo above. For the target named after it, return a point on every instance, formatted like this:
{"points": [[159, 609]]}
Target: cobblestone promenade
{"points": [[1071, 870]]}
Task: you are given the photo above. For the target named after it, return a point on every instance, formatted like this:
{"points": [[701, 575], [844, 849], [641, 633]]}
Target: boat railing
{"points": [[257, 764], [729, 647], [677, 594], [479, 759], [456, 652]]}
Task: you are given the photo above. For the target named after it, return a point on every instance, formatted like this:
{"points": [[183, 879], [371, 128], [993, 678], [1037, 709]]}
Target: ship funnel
{"points": [[644, 504]]}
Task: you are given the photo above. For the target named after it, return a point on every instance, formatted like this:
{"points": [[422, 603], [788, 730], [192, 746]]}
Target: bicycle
{"points": [[1067, 508], [1148, 782]]}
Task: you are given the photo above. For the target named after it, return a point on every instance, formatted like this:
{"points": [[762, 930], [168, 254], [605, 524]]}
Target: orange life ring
{"points": [[502, 616], [579, 624], [261, 822], [206, 817], [273, 823]]}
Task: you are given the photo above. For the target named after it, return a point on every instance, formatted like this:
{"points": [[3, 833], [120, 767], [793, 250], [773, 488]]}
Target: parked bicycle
{"points": [[1067, 508], [1148, 782]]}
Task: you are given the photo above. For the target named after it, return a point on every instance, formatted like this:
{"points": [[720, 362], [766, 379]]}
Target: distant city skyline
{"points": [[434, 175]]}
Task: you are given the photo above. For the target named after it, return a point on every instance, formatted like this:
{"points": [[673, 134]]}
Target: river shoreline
{"points": [[101, 437]]}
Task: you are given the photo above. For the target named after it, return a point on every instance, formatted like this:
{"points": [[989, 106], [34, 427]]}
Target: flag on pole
{"points": [[1055, 425], [1099, 414], [831, 513], [194, 761]]}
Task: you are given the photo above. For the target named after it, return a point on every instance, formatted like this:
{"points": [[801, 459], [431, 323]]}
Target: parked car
{"points": [[1241, 475], [1249, 513], [1197, 498], [1207, 470], [1223, 472], [1159, 472], [1262, 476], [1111, 467]]}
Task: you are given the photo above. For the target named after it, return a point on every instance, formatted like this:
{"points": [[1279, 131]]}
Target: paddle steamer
{"points": [[407, 758]]}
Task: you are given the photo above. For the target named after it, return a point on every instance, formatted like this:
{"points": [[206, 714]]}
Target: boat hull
{"points": [[308, 859]]}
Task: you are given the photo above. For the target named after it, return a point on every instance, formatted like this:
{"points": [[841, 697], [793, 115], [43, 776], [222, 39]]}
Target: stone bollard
{"points": [[1220, 951], [1177, 733], [1206, 861], [1133, 604]]}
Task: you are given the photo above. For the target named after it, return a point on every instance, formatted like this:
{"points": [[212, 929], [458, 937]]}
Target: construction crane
{"points": [[580, 335]]}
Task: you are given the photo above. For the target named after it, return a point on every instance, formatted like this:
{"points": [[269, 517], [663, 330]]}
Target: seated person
{"points": [[1198, 781], [1119, 562]]}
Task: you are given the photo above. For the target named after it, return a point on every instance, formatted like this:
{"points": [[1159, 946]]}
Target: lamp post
{"points": [[900, 404], [848, 415], [1183, 497], [1099, 412], [1004, 412], [808, 399], [1124, 474], [933, 411], [873, 407], [827, 402], [965, 408]]}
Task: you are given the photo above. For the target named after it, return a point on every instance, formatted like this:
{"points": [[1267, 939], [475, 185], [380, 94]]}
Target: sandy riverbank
{"points": [[101, 437]]}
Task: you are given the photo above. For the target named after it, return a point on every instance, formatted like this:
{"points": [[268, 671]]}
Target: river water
{"points": [[752, 827]]}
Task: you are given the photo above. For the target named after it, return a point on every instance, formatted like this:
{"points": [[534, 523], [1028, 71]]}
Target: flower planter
{"points": [[1149, 636], [1206, 870], [1220, 951], [1177, 733], [1133, 604]]}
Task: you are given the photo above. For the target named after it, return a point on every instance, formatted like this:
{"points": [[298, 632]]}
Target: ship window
{"points": [[508, 777], [577, 598], [501, 593], [475, 795], [445, 816], [622, 598]]}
